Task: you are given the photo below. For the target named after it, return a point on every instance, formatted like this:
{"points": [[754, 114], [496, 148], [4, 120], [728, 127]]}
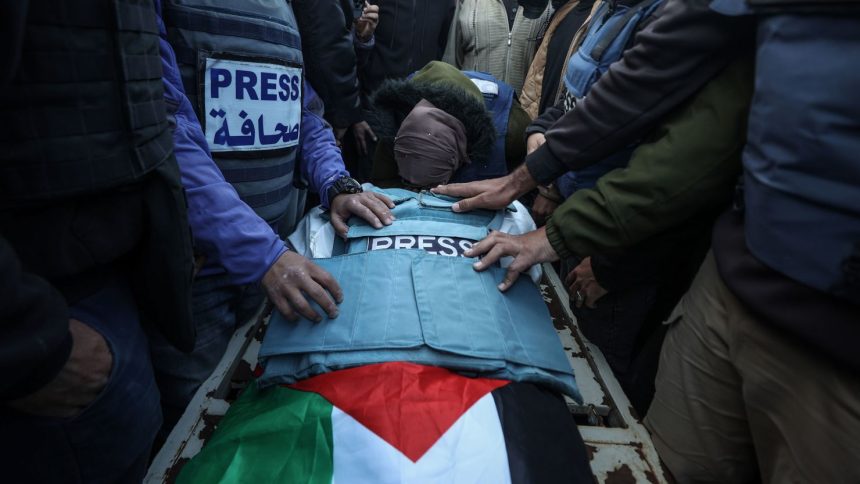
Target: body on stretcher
{"points": [[330, 349]]}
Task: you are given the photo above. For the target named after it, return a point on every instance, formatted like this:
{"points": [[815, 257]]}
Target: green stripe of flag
{"points": [[271, 435]]}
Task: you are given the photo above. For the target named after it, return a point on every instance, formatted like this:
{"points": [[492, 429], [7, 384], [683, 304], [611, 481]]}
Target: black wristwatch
{"points": [[343, 184]]}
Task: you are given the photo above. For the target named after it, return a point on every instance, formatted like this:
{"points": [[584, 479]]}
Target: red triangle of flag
{"points": [[409, 406]]}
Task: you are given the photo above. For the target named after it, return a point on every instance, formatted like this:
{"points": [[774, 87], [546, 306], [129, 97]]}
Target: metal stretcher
{"points": [[619, 447]]}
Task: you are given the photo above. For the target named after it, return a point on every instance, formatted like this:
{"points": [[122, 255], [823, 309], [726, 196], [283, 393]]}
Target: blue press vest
{"points": [[608, 35], [408, 305], [802, 158], [499, 105], [243, 58], [611, 28]]}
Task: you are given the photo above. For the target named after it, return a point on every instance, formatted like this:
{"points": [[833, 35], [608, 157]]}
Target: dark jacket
{"points": [[330, 59], [689, 165], [57, 248], [410, 34], [682, 48]]}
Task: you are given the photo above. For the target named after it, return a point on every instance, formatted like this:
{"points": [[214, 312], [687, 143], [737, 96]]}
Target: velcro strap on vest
{"points": [[241, 175], [130, 16], [221, 25]]}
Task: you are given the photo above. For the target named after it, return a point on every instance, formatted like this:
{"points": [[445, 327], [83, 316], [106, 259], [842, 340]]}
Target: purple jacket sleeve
{"points": [[226, 231], [321, 163]]}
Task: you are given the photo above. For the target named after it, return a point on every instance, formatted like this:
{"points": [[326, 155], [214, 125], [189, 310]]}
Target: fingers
{"points": [[368, 131], [360, 210], [459, 189], [302, 306], [338, 223], [328, 282], [493, 256], [283, 306], [361, 144], [468, 204], [322, 298], [510, 278], [570, 278], [482, 246], [379, 208], [384, 199]]}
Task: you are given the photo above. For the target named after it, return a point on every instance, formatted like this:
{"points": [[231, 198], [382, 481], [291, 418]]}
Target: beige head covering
{"points": [[430, 146]]}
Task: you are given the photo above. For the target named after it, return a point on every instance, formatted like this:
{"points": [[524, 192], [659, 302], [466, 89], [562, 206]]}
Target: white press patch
{"points": [[447, 246], [251, 106]]}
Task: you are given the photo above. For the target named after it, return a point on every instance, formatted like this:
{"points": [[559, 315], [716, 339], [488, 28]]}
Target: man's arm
{"points": [[692, 165], [225, 229], [683, 47]]}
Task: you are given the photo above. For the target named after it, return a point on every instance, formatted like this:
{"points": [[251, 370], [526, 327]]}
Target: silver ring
{"points": [[578, 298]]}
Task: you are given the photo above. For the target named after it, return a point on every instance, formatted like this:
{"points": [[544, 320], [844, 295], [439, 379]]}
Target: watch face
{"points": [[350, 185]]}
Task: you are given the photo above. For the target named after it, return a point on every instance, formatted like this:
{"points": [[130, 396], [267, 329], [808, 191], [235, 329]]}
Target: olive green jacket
{"points": [[689, 165]]}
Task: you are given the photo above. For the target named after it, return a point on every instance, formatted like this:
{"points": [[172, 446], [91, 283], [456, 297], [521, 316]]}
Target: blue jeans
{"points": [[219, 308], [110, 441]]}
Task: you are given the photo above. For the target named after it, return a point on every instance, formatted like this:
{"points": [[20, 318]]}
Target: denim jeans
{"points": [[110, 441], [219, 308]]}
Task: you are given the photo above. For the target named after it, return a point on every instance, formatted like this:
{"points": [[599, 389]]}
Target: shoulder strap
{"points": [[610, 35]]}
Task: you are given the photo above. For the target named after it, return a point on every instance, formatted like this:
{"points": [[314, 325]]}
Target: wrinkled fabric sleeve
{"points": [[363, 50], [690, 165], [35, 342], [683, 47], [225, 230], [321, 163], [330, 59], [545, 121]]}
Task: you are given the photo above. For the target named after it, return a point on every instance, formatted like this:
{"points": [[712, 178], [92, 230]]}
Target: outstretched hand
{"points": [[527, 250], [375, 208], [494, 194]]}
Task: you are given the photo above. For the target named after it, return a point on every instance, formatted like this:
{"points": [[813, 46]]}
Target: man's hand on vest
{"points": [[527, 250], [79, 383], [494, 194], [292, 277], [373, 207]]}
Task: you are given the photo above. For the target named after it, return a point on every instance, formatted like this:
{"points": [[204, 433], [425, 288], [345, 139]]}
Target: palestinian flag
{"points": [[394, 423]]}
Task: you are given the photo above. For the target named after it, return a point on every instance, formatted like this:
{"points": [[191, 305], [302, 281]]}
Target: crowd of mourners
{"points": [[693, 167]]}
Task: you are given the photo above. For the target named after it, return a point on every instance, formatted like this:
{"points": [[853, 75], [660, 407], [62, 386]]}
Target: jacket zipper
{"points": [[510, 35]]}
